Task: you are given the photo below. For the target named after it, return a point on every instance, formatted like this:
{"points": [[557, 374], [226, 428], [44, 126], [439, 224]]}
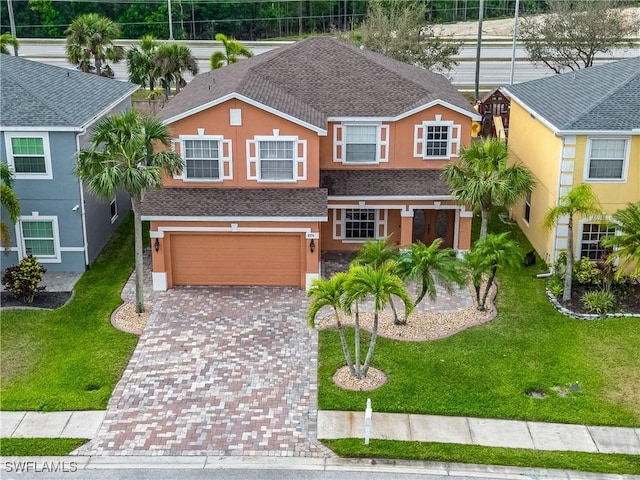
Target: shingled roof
{"points": [[601, 98], [383, 182], [235, 202], [34, 94], [318, 78]]}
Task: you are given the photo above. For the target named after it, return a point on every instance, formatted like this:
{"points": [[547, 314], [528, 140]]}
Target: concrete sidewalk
{"points": [[481, 431], [78, 424]]}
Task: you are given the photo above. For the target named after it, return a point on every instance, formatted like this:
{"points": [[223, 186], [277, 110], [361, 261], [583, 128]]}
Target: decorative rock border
{"points": [[586, 316], [117, 317]]}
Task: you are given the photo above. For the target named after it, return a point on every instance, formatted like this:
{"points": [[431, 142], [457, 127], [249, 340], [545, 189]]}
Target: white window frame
{"points": [[22, 249], [340, 142], [340, 224], [420, 139], [223, 160], [48, 173], [299, 158], [625, 160], [114, 202], [585, 222], [527, 204]]}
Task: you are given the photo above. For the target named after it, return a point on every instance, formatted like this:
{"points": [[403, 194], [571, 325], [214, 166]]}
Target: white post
{"points": [[368, 415], [515, 37]]}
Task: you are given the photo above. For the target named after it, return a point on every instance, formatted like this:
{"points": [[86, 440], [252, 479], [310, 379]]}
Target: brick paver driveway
{"points": [[218, 371]]}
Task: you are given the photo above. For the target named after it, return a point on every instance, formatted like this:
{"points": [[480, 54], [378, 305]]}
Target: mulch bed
{"points": [[630, 304], [48, 300]]}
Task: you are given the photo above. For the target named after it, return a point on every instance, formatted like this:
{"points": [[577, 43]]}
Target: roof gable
{"points": [[318, 78], [37, 95], [604, 97]]}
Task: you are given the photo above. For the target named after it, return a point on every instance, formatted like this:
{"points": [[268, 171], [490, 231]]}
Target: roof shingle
{"points": [[355, 183]]}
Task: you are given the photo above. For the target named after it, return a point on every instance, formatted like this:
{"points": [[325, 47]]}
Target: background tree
{"points": [[140, 62], [626, 245], [481, 178], [121, 157], [232, 50], [398, 29], [9, 201], [573, 33], [489, 254], [172, 61], [90, 37], [579, 201], [7, 39]]}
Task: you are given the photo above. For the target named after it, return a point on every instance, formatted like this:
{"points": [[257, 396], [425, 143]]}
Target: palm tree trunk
{"points": [[343, 342], [372, 345], [396, 320], [484, 223], [137, 228], [566, 294], [482, 304], [357, 342]]}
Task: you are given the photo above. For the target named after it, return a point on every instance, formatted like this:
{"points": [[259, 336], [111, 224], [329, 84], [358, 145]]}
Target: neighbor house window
{"points": [[359, 223], [607, 159], [361, 143], [113, 206], [527, 207], [592, 235], [39, 237], [28, 155], [202, 159], [276, 159]]}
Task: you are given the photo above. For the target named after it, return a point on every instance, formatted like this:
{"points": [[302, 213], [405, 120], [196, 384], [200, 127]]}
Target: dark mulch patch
{"points": [[627, 304], [41, 300]]}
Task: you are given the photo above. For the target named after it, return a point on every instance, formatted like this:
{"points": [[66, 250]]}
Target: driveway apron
{"points": [[218, 371]]}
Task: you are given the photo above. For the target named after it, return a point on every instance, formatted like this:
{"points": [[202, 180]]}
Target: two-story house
{"points": [[577, 127], [46, 117], [312, 147]]}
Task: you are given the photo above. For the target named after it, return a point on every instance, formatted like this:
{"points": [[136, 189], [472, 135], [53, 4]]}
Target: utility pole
{"points": [[515, 36], [170, 21], [12, 21], [480, 15]]}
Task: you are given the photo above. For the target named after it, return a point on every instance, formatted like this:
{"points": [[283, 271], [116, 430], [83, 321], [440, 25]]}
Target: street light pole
{"points": [[170, 22], [515, 36], [480, 15]]}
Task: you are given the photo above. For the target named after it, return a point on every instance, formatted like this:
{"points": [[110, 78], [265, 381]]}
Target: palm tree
{"points": [[171, 61], [8, 39], [121, 157], [627, 243], [482, 179], [140, 62], [431, 265], [9, 200], [90, 37], [232, 49], [494, 251], [380, 283], [329, 293], [579, 201]]}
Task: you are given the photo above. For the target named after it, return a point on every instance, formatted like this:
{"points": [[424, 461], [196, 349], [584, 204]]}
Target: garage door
{"points": [[233, 259]]}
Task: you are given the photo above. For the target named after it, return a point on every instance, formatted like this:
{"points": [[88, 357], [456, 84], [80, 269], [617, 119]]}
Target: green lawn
{"points": [[485, 371], [72, 357], [447, 452], [30, 447]]}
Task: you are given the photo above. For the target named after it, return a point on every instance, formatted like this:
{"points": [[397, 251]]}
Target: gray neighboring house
{"points": [[46, 116]]}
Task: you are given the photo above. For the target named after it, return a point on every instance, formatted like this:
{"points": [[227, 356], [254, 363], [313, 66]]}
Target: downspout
{"points": [[83, 215]]}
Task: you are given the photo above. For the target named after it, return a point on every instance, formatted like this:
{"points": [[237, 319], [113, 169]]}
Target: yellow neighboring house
{"points": [[581, 126]]}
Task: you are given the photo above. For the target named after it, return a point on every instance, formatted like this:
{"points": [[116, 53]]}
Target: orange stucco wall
{"points": [[216, 121]]}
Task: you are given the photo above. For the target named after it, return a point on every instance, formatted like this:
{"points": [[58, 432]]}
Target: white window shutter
{"points": [[301, 160], [252, 160], [176, 148], [337, 223], [418, 141], [226, 164], [454, 145], [383, 143], [381, 223], [338, 143]]}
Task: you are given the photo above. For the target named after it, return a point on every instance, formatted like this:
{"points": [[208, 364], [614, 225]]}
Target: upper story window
{"points": [[207, 158], [436, 140], [606, 159], [28, 155], [592, 235], [39, 237], [276, 158], [360, 143]]}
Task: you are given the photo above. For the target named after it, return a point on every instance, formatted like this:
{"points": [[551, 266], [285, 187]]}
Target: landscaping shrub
{"points": [[22, 280], [555, 284], [587, 272], [599, 301]]}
